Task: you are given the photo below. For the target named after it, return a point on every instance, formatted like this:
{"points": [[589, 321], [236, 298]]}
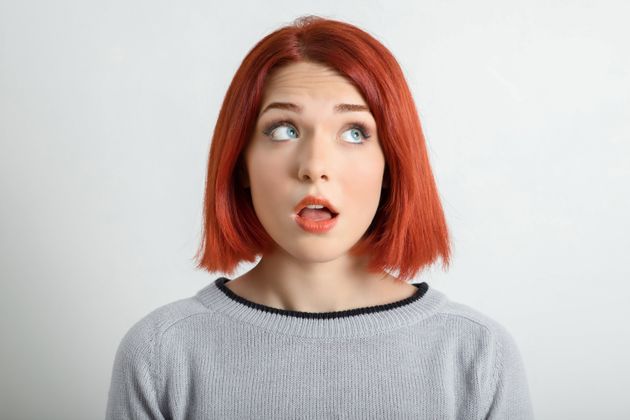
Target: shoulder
{"points": [[137, 384], [140, 344], [151, 327], [484, 346], [474, 324], [490, 338]]}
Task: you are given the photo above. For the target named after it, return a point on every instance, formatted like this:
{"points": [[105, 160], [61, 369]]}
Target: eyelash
{"points": [[354, 125]]}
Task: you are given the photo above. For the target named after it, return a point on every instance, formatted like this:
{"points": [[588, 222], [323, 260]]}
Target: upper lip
{"points": [[310, 199]]}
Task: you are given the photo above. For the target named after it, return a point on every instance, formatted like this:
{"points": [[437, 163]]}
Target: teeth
{"points": [[315, 206]]}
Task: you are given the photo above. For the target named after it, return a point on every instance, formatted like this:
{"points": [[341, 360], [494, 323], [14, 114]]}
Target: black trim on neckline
{"points": [[422, 289]]}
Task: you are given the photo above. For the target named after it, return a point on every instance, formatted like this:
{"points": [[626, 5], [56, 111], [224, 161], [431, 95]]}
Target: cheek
{"points": [[267, 179], [364, 176], [258, 166], [362, 193]]}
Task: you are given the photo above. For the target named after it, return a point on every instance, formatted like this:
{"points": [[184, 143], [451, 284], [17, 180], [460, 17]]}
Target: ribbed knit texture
{"points": [[218, 356]]}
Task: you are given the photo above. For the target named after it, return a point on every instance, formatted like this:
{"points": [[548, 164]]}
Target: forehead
{"points": [[310, 81]]}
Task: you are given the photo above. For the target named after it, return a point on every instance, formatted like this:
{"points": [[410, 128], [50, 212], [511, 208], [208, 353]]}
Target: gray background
{"points": [[106, 113]]}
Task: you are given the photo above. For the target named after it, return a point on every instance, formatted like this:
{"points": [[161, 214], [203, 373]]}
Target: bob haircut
{"points": [[408, 231]]}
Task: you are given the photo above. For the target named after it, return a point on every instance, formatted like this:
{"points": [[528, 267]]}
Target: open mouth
{"points": [[317, 221], [317, 215]]}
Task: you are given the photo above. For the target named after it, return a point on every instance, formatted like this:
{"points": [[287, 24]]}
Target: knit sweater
{"points": [[216, 355]]}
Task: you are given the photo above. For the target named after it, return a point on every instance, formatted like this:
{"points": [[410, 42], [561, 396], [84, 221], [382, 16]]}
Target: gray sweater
{"points": [[218, 356]]}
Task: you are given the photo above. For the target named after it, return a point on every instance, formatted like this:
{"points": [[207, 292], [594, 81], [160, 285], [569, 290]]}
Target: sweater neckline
{"points": [[362, 321]]}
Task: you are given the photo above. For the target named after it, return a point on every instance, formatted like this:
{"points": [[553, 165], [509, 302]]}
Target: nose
{"points": [[313, 160]]}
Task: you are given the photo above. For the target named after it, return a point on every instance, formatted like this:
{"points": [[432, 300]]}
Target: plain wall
{"points": [[106, 113]]}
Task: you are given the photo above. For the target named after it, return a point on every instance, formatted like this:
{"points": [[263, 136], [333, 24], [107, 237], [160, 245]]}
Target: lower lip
{"points": [[312, 226]]}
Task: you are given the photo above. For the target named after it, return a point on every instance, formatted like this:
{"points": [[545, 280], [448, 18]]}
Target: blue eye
{"points": [[357, 134], [279, 127], [287, 131]]}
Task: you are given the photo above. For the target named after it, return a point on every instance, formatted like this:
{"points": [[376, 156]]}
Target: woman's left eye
{"points": [[357, 134]]}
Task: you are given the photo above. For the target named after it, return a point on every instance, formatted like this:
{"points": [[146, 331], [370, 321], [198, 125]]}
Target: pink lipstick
{"points": [[315, 214]]}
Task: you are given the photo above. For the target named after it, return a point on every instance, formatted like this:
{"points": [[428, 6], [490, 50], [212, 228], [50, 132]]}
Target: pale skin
{"points": [[315, 153]]}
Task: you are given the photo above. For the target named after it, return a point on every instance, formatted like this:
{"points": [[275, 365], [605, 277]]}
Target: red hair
{"points": [[408, 231]]}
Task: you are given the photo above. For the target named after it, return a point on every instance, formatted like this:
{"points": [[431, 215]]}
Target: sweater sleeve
{"points": [[510, 397], [133, 392]]}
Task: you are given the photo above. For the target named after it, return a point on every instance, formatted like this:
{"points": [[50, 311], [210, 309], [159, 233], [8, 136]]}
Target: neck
{"points": [[341, 284]]}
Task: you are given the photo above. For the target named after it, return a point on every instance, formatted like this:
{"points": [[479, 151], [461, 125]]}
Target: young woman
{"points": [[318, 165]]}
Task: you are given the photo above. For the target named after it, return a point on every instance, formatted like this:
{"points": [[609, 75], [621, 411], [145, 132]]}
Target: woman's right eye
{"points": [[281, 131]]}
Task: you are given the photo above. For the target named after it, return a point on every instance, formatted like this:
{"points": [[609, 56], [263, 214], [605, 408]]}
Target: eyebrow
{"points": [[298, 109]]}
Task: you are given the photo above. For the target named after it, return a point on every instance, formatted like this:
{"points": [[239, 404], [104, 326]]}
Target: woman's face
{"points": [[304, 145]]}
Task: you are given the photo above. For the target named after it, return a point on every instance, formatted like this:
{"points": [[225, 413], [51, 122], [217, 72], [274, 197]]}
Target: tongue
{"points": [[315, 214]]}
